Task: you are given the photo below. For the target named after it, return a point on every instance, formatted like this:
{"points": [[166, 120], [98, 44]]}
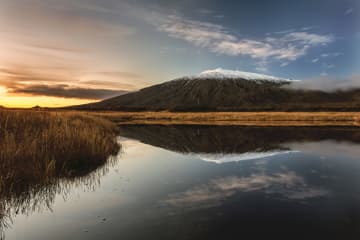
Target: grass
{"points": [[38, 148], [236, 118]]}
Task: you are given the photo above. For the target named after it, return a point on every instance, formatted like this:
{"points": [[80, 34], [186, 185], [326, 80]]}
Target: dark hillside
{"points": [[229, 95]]}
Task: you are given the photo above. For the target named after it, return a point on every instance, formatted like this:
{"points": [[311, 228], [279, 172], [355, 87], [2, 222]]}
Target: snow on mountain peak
{"points": [[220, 73]]}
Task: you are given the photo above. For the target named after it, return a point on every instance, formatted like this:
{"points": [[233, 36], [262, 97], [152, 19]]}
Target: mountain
{"points": [[226, 90]]}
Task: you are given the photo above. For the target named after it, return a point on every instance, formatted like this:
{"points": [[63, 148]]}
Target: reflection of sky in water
{"points": [[287, 184], [174, 195]]}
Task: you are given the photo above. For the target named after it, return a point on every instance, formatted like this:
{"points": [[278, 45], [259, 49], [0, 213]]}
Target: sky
{"points": [[65, 52]]}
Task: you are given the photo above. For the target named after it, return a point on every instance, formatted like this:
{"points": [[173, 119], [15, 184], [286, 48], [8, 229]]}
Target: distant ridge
{"points": [[227, 90]]}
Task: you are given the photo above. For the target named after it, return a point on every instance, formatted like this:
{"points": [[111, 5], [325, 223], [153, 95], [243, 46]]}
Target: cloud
{"points": [[286, 45], [38, 81], [112, 84], [69, 18], [327, 83], [219, 16], [287, 185], [333, 54], [308, 38], [324, 74], [53, 47], [315, 60], [65, 91], [205, 11], [307, 28], [285, 31], [19, 74], [329, 66], [349, 11], [199, 33]]}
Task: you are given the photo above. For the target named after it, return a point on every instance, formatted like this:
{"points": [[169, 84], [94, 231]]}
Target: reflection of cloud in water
{"points": [[287, 185], [327, 148], [225, 158]]}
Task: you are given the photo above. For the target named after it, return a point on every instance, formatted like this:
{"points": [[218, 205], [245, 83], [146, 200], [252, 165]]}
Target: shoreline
{"points": [[234, 118], [293, 119]]}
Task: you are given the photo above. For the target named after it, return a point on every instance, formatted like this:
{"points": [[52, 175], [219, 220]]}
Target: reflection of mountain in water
{"points": [[233, 157], [232, 139]]}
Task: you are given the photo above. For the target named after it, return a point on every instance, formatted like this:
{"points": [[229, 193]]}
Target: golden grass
{"points": [[237, 118], [36, 147], [43, 154]]}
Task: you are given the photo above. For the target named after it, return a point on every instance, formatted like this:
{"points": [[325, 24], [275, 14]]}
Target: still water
{"points": [[205, 182]]}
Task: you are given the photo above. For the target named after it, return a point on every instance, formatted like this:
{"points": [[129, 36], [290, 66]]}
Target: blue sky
{"points": [[299, 39], [88, 45]]}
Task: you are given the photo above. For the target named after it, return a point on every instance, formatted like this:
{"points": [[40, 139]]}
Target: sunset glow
{"points": [[24, 101], [56, 53], [2, 91]]}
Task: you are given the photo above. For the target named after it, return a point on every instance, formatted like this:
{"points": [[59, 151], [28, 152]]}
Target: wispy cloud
{"points": [[324, 74], [308, 28], [333, 54], [328, 65], [67, 18], [285, 31], [199, 33], [205, 11], [349, 11], [328, 83], [287, 45], [64, 91], [41, 82], [315, 60]]}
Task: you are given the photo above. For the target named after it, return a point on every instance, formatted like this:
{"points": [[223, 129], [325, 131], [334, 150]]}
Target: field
{"points": [[236, 118]]}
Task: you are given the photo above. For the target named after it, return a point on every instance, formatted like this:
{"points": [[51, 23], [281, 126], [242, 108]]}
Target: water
{"points": [[207, 182]]}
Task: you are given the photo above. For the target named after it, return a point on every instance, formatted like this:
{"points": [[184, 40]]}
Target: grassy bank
{"points": [[38, 148], [237, 118]]}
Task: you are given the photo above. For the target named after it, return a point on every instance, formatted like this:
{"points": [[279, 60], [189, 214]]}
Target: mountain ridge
{"points": [[226, 90]]}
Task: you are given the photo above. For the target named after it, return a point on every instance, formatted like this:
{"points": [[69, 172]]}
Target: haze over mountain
{"points": [[227, 90]]}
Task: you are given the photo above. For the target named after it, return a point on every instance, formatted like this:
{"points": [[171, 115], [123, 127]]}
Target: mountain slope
{"points": [[225, 90]]}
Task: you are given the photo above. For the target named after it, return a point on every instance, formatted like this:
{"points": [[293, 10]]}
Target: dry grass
{"points": [[237, 118], [36, 147], [43, 153]]}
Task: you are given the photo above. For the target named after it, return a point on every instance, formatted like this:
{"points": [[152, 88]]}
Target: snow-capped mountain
{"points": [[227, 90], [220, 73]]}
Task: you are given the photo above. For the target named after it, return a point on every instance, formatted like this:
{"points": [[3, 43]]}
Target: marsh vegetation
{"points": [[42, 150], [235, 118]]}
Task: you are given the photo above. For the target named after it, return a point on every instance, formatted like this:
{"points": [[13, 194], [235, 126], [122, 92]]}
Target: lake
{"points": [[204, 182]]}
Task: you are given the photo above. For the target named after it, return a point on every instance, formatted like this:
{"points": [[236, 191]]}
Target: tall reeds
{"points": [[38, 148]]}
